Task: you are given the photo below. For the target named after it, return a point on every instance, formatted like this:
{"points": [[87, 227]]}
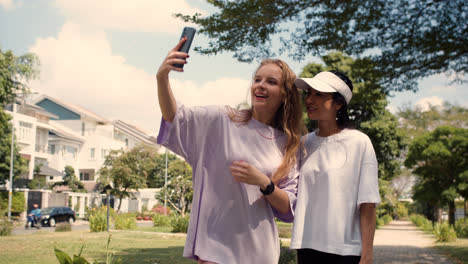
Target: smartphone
{"points": [[188, 32]]}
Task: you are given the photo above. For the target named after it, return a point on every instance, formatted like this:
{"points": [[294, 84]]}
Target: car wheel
{"points": [[71, 220], [52, 221]]}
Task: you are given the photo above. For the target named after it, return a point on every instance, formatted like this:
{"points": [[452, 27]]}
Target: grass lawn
{"points": [[457, 249], [131, 247], [284, 229]]}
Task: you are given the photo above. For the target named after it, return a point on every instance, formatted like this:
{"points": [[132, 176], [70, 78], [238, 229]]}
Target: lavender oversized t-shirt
{"points": [[230, 222]]}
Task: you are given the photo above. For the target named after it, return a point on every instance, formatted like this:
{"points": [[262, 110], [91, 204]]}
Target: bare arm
{"points": [[166, 98], [367, 219], [244, 172]]}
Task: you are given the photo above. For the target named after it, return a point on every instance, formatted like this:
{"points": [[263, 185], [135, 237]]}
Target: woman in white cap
{"points": [[338, 187], [243, 164]]}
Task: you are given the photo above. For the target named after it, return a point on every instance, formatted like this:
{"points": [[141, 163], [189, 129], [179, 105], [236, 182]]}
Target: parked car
{"points": [[53, 215]]}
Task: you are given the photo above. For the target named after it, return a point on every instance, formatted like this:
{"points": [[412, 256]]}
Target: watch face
{"points": [[269, 189]]}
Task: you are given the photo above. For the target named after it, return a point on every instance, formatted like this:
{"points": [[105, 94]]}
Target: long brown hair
{"points": [[288, 117]]}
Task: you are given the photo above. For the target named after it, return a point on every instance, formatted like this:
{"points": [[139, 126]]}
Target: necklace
{"points": [[269, 138]]}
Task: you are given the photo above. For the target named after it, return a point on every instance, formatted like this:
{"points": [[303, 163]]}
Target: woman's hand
{"points": [[244, 172], [174, 57]]}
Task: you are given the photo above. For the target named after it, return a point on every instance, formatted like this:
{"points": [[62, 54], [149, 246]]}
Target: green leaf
{"points": [[62, 257], [79, 260]]}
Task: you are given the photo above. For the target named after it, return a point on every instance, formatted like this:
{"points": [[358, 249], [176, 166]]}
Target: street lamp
{"points": [[11, 167]]}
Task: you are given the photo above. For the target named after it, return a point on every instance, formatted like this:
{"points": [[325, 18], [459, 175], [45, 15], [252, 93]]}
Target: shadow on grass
{"points": [[408, 254], [459, 252], [169, 255]]}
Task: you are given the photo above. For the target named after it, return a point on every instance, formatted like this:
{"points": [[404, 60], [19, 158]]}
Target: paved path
{"points": [[403, 242]]}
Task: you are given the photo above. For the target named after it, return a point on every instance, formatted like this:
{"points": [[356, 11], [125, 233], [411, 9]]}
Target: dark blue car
{"points": [[53, 215]]}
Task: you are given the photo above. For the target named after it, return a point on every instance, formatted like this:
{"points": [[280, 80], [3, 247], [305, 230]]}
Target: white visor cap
{"points": [[326, 82]]}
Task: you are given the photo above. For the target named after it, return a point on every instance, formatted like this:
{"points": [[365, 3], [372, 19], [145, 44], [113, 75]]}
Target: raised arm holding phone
{"points": [[243, 163]]}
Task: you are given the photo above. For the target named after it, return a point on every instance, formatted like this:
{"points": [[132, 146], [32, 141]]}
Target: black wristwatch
{"points": [[269, 189]]}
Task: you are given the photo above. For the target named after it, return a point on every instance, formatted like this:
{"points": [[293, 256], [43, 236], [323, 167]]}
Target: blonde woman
{"points": [[243, 163]]}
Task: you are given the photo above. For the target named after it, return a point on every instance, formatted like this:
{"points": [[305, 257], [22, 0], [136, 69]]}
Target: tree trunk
{"points": [[464, 208], [120, 202], [451, 213], [437, 214]]}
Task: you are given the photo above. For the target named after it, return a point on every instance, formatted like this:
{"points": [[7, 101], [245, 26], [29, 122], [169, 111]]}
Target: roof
{"points": [[81, 111], [38, 109], [134, 131], [48, 171]]}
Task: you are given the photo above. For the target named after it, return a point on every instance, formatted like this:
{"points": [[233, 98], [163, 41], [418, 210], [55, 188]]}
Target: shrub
{"points": [[5, 226], [427, 226], [444, 232], [379, 222], [17, 202], [98, 219], [418, 220], [161, 220], [125, 221], [461, 228], [287, 256], [161, 209], [179, 224], [387, 219], [401, 210], [63, 227]]}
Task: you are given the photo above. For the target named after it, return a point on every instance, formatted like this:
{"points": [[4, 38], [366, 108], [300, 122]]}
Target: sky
{"points": [[103, 56]]}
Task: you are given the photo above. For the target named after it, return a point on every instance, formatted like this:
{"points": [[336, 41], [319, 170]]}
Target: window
{"points": [[104, 153], [72, 151], [51, 178], [126, 142], [84, 176], [82, 128], [51, 149], [91, 153]]}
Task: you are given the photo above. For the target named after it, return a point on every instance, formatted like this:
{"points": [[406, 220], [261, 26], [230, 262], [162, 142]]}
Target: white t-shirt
{"points": [[338, 173]]}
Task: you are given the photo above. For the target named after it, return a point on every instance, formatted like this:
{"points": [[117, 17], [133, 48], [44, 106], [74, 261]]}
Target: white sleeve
{"points": [[368, 179]]}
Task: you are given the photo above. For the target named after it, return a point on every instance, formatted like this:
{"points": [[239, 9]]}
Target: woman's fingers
{"points": [[238, 170], [177, 54], [181, 42]]}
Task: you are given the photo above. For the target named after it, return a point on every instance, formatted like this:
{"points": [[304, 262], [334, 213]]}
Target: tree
{"points": [[71, 180], [156, 176], [19, 164], [14, 73], [179, 188], [406, 39], [417, 121], [367, 109], [38, 181], [440, 159], [128, 171]]}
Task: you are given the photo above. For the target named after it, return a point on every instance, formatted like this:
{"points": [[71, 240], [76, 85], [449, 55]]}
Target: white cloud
{"points": [[124, 15], [426, 102], [78, 66], [7, 4]]}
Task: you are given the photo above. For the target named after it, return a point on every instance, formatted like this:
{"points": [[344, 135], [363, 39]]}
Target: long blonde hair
{"points": [[288, 117]]}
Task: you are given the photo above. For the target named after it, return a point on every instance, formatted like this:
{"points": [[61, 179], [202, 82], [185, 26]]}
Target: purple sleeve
{"points": [[289, 185], [187, 133]]}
